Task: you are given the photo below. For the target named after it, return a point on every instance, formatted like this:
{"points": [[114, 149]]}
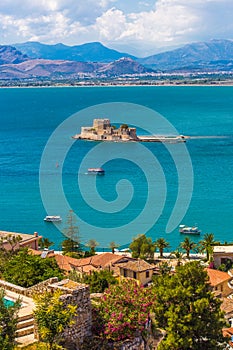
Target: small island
{"points": [[102, 130]]}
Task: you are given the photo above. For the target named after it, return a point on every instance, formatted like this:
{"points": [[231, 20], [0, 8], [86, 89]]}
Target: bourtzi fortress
{"points": [[102, 130]]}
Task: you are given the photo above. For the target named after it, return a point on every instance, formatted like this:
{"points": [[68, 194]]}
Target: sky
{"points": [[139, 27]]}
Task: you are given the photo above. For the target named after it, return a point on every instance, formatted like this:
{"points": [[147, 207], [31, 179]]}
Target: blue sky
{"points": [[140, 27]]}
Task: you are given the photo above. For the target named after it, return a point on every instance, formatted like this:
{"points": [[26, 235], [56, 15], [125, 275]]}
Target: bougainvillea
{"points": [[125, 310]]}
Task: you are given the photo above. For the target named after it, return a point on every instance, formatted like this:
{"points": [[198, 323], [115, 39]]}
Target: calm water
{"points": [[29, 116], [8, 302]]}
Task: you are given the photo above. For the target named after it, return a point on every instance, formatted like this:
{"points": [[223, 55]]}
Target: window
{"points": [[135, 275], [124, 272], [147, 274]]}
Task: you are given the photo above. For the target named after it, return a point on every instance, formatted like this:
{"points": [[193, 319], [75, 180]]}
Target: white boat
{"points": [[51, 218], [194, 230], [98, 171]]}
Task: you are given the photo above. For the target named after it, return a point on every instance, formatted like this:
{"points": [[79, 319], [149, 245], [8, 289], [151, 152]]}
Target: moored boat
{"points": [[98, 171], [52, 218], [194, 230]]}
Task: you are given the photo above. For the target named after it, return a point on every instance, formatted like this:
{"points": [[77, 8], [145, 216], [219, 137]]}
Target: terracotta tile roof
{"points": [[25, 236], [50, 253], [85, 268], [86, 264], [227, 332], [216, 277], [106, 259], [81, 262], [65, 262], [138, 265], [100, 260]]}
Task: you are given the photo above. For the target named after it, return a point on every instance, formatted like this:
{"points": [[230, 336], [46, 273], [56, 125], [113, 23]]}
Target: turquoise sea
{"points": [[30, 115]]}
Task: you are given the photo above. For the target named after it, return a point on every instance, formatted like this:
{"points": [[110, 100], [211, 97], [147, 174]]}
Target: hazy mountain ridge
{"points": [[40, 68], [214, 56], [9, 54], [89, 52], [202, 55]]}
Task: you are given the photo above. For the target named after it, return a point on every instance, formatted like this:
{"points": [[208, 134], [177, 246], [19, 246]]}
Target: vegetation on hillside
{"points": [[52, 317], [188, 311], [97, 280], [8, 323], [25, 269]]}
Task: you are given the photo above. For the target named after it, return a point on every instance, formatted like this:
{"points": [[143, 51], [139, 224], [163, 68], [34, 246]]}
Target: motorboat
{"points": [[96, 171], [194, 230], [52, 218]]}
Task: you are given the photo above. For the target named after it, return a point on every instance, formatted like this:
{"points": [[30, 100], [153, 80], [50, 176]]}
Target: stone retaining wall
{"points": [[78, 295], [134, 344], [38, 288]]}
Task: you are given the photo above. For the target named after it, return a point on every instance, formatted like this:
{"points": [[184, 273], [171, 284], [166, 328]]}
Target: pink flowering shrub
{"points": [[125, 310]]}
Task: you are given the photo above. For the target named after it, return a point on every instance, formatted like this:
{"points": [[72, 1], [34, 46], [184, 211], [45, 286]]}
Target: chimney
{"points": [[36, 234]]}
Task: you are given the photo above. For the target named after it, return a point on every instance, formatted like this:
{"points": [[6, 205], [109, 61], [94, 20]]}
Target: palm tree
{"points": [[207, 244], [178, 255], [187, 245], [161, 243], [92, 244], [45, 243], [113, 246]]}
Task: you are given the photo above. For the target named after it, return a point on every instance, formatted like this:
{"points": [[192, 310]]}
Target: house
{"points": [[22, 240], [137, 269], [89, 264], [121, 266], [222, 254], [220, 282]]}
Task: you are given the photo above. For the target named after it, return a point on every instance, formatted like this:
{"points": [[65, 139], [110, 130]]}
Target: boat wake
{"points": [[209, 137]]}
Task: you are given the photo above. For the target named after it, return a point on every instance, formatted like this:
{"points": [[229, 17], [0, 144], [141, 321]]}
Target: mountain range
{"points": [[33, 60], [212, 55], [90, 52]]}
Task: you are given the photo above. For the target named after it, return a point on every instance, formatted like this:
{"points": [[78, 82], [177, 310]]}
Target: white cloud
{"points": [[170, 22], [162, 23]]}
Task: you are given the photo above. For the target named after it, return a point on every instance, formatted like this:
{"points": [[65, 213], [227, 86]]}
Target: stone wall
{"points": [[40, 287], [12, 287], [37, 288], [76, 294], [134, 344]]}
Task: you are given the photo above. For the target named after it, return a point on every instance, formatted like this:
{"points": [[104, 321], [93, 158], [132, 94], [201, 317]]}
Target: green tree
{"points": [[164, 268], [92, 244], [113, 246], [73, 241], [12, 241], [161, 243], [45, 243], [52, 317], [124, 126], [207, 244], [8, 323], [142, 247], [188, 310], [187, 245], [177, 255], [26, 270], [97, 280]]}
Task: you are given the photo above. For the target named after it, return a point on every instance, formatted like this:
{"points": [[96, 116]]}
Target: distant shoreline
{"points": [[63, 85]]}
